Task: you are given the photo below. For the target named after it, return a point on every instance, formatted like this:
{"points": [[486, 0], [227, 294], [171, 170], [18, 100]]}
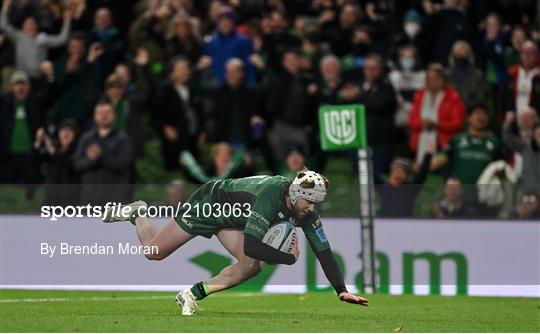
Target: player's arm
{"points": [[321, 248], [256, 227], [258, 250]]}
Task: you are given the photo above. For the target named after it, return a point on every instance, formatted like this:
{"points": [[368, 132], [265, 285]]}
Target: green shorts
{"points": [[190, 216]]}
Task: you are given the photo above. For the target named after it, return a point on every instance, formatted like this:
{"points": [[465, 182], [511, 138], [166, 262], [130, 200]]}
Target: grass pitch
{"points": [[102, 311]]}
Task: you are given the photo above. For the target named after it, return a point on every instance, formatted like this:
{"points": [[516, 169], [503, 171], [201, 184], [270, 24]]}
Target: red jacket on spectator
{"points": [[513, 72], [451, 117]]}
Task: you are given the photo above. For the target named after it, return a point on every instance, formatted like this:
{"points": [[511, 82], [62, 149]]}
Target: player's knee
{"points": [[155, 256], [252, 268]]}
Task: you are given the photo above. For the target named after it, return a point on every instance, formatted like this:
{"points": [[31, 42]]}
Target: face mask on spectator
{"points": [[462, 61], [411, 29], [361, 48], [407, 64], [313, 37]]}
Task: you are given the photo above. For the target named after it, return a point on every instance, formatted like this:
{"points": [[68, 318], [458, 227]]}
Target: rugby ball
{"points": [[281, 236]]}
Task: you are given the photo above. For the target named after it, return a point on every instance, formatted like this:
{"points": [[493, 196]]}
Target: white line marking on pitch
{"points": [[37, 300], [87, 299]]}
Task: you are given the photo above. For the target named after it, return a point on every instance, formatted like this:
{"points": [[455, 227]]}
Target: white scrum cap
{"points": [[308, 185]]}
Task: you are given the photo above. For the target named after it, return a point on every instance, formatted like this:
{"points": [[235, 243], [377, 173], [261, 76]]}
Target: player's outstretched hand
{"points": [[295, 249], [352, 299]]}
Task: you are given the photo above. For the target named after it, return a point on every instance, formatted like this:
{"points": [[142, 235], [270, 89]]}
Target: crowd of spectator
{"points": [[449, 87]]}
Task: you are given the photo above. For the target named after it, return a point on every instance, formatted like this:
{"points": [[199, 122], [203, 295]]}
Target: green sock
{"points": [[206, 289], [200, 290], [140, 212]]}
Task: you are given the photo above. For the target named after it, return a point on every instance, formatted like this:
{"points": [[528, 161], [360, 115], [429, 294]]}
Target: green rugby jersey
{"points": [[470, 155], [262, 199]]}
